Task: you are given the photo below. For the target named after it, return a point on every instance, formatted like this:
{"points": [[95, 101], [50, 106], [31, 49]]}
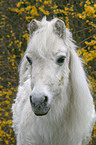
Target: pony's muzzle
{"points": [[39, 103]]}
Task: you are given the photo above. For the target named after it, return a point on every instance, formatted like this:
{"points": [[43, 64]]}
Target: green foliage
{"points": [[79, 16]]}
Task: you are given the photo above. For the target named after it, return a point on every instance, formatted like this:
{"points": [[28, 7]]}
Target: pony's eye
{"points": [[29, 60], [60, 60]]}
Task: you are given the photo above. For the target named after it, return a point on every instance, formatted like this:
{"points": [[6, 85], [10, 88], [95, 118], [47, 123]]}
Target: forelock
{"points": [[43, 38]]}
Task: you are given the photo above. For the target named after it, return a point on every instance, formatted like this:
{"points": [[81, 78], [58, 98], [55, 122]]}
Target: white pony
{"points": [[53, 104]]}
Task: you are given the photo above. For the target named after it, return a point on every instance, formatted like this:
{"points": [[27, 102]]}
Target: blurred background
{"points": [[15, 15]]}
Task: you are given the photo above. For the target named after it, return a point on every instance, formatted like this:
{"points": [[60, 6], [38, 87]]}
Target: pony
{"points": [[53, 105]]}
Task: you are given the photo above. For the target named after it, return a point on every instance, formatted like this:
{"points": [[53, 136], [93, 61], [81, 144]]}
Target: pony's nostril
{"points": [[31, 99], [45, 99]]}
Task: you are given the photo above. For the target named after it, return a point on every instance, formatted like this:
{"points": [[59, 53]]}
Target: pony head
{"points": [[53, 67]]}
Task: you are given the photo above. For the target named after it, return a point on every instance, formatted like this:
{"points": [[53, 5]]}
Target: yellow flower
{"points": [[8, 36], [6, 114], [79, 52], [21, 54], [89, 10], [87, 2], [11, 131], [28, 8], [34, 11], [71, 8], [54, 7], [46, 13], [29, 18], [7, 142], [67, 21], [48, 2], [14, 56], [7, 102], [83, 17], [81, 3], [66, 9], [20, 3], [95, 6], [14, 10], [87, 21], [13, 64]]}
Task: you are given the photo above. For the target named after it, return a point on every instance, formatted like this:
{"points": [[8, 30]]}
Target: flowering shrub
{"points": [[79, 16]]}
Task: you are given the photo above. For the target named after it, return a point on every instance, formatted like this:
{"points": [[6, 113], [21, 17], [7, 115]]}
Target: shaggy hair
{"points": [[53, 104]]}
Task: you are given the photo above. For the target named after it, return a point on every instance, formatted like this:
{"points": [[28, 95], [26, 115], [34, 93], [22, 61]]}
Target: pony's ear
{"points": [[33, 26], [60, 28]]}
